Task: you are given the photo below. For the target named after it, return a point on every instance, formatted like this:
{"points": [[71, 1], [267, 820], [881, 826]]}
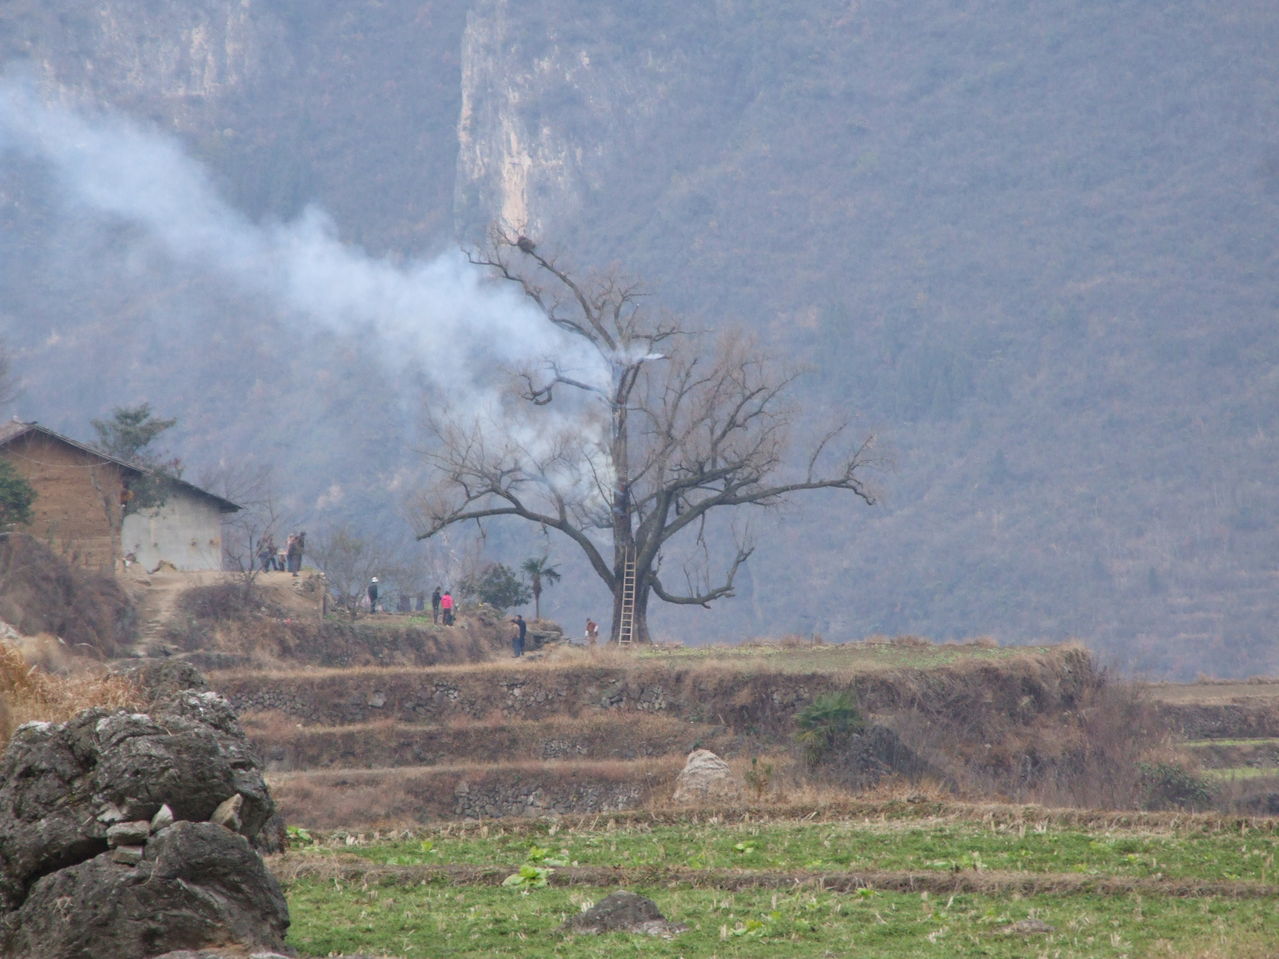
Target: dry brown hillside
{"points": [[392, 719]]}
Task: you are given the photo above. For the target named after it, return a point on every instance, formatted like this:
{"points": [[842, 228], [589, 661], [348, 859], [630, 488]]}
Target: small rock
{"points": [[128, 855], [129, 833], [623, 911], [111, 813], [163, 818], [228, 813]]}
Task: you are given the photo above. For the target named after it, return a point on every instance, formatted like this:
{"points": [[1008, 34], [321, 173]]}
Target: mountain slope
{"points": [[1031, 246]]}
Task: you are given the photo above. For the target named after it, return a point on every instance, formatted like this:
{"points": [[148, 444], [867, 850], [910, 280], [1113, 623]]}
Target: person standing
{"points": [[592, 632], [435, 605], [373, 595], [446, 607], [266, 553], [521, 630]]}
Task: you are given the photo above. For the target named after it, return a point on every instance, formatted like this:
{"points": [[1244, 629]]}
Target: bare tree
{"points": [[253, 487], [634, 451], [349, 562]]}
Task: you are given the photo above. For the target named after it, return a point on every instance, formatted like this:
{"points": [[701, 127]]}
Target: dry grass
{"points": [[908, 809], [28, 694], [843, 661], [43, 594]]}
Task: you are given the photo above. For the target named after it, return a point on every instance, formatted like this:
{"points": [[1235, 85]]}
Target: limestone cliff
{"points": [[178, 61], [558, 105]]}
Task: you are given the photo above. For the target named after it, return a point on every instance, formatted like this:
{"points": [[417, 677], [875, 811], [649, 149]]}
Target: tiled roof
{"points": [[15, 428]]}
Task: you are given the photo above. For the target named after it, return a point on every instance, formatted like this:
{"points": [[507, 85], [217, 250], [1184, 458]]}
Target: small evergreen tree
{"points": [[496, 585], [16, 497], [128, 436]]}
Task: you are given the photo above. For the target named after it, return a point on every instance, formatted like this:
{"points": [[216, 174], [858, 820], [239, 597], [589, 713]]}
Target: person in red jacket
{"points": [[446, 607]]}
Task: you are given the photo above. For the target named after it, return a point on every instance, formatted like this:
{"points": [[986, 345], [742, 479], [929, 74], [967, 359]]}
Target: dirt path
{"points": [[158, 593], [157, 599]]}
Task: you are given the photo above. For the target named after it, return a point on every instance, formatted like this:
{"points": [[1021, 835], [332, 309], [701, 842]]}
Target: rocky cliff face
{"points": [[183, 62], [548, 104], [586, 122]]}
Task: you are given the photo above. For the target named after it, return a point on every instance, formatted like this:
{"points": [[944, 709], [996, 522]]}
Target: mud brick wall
{"points": [[77, 508]]}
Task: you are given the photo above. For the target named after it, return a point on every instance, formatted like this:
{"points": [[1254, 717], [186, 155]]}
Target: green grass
{"points": [[439, 920], [411, 914], [1232, 773], [1209, 743], [859, 845]]}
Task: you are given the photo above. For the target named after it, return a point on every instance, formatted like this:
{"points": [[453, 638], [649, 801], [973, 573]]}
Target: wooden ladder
{"points": [[626, 623]]}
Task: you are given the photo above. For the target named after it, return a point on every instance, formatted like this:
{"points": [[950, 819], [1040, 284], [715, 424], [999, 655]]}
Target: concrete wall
{"points": [[77, 507], [186, 531]]}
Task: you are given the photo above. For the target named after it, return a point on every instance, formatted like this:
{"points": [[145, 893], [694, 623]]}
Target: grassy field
{"points": [[892, 882], [803, 657]]}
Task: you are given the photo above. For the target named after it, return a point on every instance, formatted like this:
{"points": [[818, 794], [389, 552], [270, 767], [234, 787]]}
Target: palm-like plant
{"points": [[539, 572]]}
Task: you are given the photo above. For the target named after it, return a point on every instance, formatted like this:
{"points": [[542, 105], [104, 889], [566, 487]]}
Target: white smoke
{"points": [[110, 167]]}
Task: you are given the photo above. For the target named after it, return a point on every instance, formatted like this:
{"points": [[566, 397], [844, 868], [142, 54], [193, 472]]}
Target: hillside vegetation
{"points": [[1028, 244]]}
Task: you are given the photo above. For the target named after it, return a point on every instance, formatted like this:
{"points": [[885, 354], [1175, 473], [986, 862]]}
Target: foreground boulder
{"points": [[110, 811], [197, 884]]}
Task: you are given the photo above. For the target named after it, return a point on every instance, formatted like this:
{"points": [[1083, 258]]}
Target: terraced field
{"points": [[366, 747], [1231, 729], [888, 880]]}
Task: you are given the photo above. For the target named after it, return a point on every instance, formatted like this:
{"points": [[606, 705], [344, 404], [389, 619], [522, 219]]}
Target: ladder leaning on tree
{"points": [[626, 620]]}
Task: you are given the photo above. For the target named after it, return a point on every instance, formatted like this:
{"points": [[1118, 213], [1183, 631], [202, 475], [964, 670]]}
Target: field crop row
{"points": [[887, 888], [948, 847]]}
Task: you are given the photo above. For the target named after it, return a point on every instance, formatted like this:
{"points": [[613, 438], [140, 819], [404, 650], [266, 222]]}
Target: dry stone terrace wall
{"points": [[1224, 721], [333, 800], [366, 746], [760, 704]]}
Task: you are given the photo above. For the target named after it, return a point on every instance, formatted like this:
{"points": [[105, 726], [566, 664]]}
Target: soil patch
{"points": [[351, 869]]}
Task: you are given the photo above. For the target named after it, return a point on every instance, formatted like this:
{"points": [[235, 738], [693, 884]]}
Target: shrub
{"points": [[230, 602], [498, 586], [827, 725], [1169, 786]]}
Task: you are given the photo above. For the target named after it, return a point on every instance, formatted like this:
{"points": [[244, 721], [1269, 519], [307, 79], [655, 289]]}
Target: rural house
{"points": [[80, 507]]}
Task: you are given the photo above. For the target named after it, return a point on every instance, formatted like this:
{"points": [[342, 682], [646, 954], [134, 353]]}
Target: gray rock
{"points": [[129, 833], [63, 786], [228, 813], [127, 855], [109, 811], [198, 885], [623, 911], [706, 778], [163, 818]]}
